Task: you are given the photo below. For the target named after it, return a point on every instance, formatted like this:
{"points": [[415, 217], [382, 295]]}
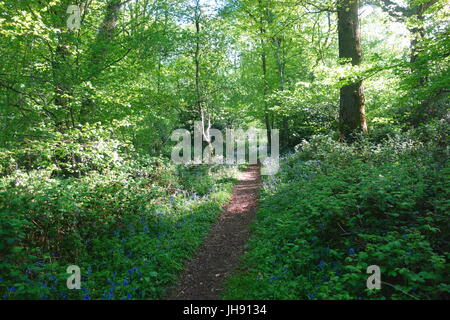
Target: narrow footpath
{"points": [[220, 253]]}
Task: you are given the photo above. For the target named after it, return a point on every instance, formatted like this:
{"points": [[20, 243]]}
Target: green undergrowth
{"points": [[128, 221], [334, 209]]}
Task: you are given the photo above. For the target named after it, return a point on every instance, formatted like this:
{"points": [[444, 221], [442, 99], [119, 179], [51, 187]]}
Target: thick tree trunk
{"points": [[106, 31], [104, 39], [352, 118]]}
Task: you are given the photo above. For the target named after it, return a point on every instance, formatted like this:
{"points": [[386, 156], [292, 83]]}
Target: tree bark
{"points": [[198, 92], [262, 32], [284, 120], [352, 117]]}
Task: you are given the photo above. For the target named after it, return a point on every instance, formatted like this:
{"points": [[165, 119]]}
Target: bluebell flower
{"points": [[314, 239], [321, 264], [126, 281], [129, 296], [52, 278], [86, 297], [12, 289], [108, 296], [1, 279], [351, 251], [311, 296], [132, 270]]}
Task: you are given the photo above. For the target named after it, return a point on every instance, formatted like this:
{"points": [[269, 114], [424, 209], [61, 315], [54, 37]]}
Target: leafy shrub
{"points": [[334, 209], [72, 153]]}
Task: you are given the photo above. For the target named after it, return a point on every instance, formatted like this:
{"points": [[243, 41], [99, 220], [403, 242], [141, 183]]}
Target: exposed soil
{"points": [[219, 255]]}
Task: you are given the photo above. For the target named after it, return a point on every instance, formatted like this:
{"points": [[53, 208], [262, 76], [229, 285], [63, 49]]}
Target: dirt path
{"points": [[219, 255]]}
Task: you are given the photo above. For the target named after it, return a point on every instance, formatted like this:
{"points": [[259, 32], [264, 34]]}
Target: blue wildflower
{"points": [[132, 270], [12, 289], [351, 251], [321, 264], [126, 281], [108, 296], [311, 296], [86, 297], [129, 296]]}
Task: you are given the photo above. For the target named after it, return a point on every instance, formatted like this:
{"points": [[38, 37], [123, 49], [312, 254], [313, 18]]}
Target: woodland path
{"points": [[226, 242]]}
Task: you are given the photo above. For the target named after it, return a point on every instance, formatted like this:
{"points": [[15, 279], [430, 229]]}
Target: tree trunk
{"points": [[352, 118], [284, 121], [262, 31], [104, 39], [198, 92]]}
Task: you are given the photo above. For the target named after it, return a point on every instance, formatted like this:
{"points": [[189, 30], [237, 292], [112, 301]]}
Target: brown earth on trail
{"points": [[219, 255]]}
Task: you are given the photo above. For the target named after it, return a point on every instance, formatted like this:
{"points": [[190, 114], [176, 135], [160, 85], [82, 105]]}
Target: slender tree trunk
{"points": [[262, 31], [62, 82], [284, 121], [352, 118], [198, 101], [198, 92], [417, 34]]}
